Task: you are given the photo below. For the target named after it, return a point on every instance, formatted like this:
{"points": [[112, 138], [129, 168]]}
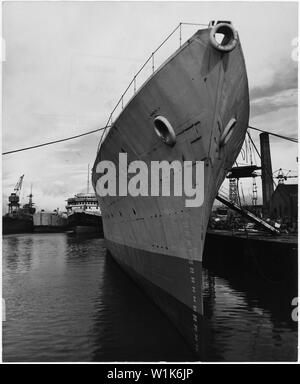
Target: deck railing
{"points": [[133, 83]]}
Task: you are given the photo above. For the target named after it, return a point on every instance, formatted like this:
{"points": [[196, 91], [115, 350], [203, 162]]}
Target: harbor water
{"points": [[67, 300]]}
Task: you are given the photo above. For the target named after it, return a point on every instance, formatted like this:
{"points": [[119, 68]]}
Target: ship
{"points": [[84, 214], [18, 219], [194, 107]]}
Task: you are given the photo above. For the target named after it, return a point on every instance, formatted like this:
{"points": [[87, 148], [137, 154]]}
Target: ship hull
{"points": [[158, 240], [159, 280], [16, 225], [81, 222]]}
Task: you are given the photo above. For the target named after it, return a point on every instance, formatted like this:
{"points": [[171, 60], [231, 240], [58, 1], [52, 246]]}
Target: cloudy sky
{"points": [[67, 63]]}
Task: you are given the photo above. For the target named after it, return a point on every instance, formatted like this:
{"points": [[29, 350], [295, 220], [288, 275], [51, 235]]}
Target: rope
{"points": [[275, 134], [203, 25], [52, 142], [252, 142]]}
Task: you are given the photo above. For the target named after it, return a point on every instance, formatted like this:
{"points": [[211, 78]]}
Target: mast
{"points": [[29, 207], [30, 203]]}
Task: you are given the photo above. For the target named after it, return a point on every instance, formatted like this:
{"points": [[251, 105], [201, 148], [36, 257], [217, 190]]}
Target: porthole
{"points": [[164, 130], [228, 130]]}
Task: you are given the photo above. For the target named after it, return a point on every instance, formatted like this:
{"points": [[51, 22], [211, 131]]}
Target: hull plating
{"points": [[199, 90]]}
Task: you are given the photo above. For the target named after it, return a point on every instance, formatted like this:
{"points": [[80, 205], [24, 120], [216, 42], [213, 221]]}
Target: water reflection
{"points": [[20, 252], [250, 320], [75, 304], [130, 327], [66, 300]]}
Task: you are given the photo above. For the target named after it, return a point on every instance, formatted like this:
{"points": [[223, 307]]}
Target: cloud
{"points": [[283, 121], [281, 78], [281, 90], [69, 62], [274, 102]]}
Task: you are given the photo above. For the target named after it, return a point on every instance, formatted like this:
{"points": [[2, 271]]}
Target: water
{"points": [[66, 300]]}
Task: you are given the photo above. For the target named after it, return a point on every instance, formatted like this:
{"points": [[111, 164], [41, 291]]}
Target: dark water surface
{"points": [[66, 300]]}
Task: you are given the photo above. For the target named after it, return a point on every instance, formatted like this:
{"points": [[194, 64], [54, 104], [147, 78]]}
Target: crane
{"points": [[283, 177], [14, 197]]}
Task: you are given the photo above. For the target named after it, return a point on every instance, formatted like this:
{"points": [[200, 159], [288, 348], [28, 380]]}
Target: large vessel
{"points": [[194, 107], [18, 219], [84, 214]]}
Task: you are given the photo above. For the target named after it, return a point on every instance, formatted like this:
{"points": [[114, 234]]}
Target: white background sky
{"points": [[67, 64]]}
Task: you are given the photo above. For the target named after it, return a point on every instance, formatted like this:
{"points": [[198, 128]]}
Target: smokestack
{"points": [[266, 171]]}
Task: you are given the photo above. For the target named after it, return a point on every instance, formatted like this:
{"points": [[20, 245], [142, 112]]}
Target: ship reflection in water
{"points": [[66, 300]]}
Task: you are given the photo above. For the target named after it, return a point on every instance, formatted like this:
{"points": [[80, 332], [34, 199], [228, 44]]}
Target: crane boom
{"points": [[18, 186]]}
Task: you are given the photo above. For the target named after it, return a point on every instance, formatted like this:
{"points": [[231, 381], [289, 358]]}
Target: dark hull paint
{"points": [[83, 222], [159, 275], [16, 225]]}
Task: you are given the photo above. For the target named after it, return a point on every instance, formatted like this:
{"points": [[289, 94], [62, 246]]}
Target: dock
{"points": [[291, 239], [273, 259]]}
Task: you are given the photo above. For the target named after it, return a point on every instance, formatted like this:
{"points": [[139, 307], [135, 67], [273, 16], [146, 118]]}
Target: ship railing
{"points": [[153, 63]]}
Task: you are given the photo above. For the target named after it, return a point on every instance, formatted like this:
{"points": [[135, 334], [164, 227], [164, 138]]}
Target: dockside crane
{"points": [[14, 197], [264, 171], [283, 177]]}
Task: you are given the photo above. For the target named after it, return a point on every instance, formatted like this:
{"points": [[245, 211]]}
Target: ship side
{"points": [[17, 224], [202, 92]]}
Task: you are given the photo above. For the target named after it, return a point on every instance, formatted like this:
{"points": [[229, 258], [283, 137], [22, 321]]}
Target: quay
{"points": [[291, 239], [259, 254]]}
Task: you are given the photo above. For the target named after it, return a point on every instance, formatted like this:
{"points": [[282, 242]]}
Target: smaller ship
{"points": [[18, 219], [50, 221], [84, 214]]}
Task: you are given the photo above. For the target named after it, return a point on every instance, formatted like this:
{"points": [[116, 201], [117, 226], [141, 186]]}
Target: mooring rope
{"points": [[53, 142], [275, 134]]}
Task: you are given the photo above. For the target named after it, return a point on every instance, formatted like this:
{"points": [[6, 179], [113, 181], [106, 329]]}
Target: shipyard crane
{"points": [[264, 171], [14, 197], [283, 177]]}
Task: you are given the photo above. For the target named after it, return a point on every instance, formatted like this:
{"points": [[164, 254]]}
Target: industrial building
{"points": [[284, 202]]}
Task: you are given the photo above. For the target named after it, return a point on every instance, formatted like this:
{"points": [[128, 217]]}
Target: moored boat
{"points": [[84, 214], [195, 107], [19, 219]]}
